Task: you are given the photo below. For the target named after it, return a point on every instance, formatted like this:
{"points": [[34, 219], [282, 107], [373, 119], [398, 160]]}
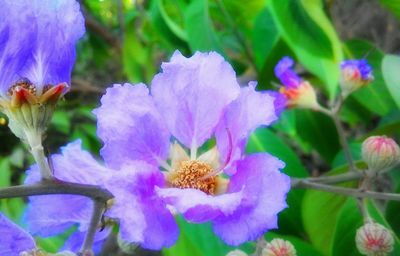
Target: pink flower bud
{"points": [[373, 239], [279, 247], [380, 152]]}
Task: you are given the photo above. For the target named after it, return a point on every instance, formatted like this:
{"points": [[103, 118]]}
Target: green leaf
{"points": [[375, 96], [265, 37], [199, 240], [320, 212], [199, 28], [264, 140], [318, 131], [391, 75], [393, 6], [309, 33]]}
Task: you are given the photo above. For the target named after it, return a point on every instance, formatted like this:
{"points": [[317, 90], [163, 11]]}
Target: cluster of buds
{"points": [[298, 93], [354, 75], [373, 239], [380, 153], [28, 109]]}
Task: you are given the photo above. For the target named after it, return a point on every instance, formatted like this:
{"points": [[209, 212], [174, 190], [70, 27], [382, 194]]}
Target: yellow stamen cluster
{"points": [[193, 174]]}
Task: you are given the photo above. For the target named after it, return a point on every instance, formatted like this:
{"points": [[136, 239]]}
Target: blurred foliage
{"points": [[127, 40]]}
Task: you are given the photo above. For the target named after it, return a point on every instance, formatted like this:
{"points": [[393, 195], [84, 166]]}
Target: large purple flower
{"points": [[37, 44], [194, 101], [143, 217]]}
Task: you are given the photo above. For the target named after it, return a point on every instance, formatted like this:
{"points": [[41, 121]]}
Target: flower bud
{"points": [[279, 247], [373, 239], [380, 152], [298, 93], [236, 253], [354, 75], [28, 111]]}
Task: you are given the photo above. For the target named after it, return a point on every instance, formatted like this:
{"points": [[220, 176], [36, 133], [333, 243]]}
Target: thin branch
{"points": [[343, 142], [52, 187], [97, 213], [347, 191], [349, 176]]}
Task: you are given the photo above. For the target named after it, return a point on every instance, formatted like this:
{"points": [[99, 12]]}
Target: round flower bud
{"points": [[380, 152], [236, 253], [373, 239], [354, 75], [279, 247]]}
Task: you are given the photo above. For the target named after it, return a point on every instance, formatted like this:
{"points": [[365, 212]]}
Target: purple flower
{"points": [[285, 73], [37, 45], [193, 101], [14, 239], [354, 75], [154, 161], [135, 206]]}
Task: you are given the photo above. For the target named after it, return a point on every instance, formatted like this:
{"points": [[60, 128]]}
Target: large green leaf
{"points": [[265, 37], [311, 36], [391, 75], [199, 28], [375, 96], [393, 6], [264, 140], [319, 131], [349, 220]]}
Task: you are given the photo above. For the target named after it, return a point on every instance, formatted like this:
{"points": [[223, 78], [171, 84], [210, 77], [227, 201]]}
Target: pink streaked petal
{"points": [[249, 111]]}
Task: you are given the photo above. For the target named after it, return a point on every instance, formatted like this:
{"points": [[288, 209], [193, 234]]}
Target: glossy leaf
{"points": [[311, 36], [391, 75]]}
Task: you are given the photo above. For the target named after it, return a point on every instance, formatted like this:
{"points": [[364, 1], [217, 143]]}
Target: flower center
{"points": [[23, 83], [193, 174]]}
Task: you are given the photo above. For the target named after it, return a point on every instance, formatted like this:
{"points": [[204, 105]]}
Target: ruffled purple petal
{"points": [[265, 189], [59, 24], [74, 242], [52, 214], [130, 126], [192, 93], [17, 41], [285, 73], [13, 238], [249, 111], [143, 217], [196, 206]]}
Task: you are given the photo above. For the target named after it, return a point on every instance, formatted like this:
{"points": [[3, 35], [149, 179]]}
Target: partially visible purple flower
{"points": [[192, 101], [298, 93], [37, 43], [53, 214], [14, 239], [37, 53], [354, 75]]}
